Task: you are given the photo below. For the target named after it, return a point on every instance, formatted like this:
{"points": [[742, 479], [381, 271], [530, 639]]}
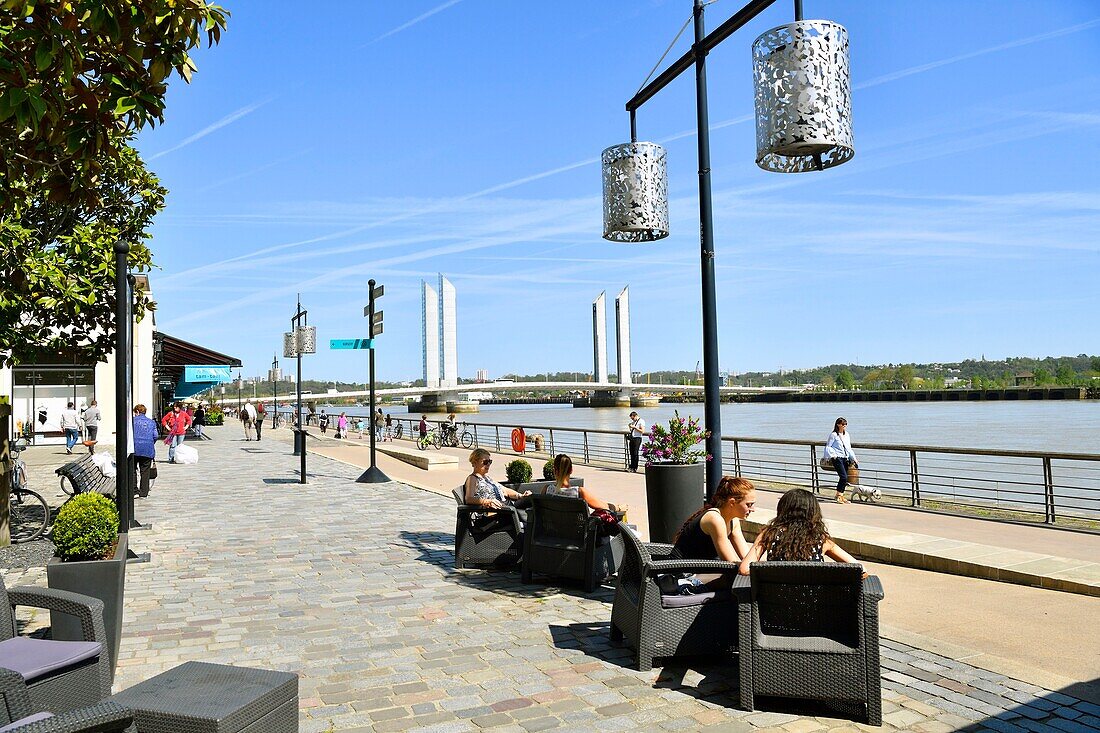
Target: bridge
{"points": [[440, 394]]}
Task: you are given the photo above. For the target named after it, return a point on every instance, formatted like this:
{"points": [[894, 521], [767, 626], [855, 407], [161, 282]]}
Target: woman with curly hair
{"points": [[797, 533]]}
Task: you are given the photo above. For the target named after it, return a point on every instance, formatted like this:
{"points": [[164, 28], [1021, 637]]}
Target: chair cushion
{"points": [[25, 721], [696, 599], [37, 658]]}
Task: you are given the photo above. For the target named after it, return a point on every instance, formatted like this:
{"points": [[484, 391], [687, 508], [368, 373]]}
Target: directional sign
{"points": [[351, 343]]}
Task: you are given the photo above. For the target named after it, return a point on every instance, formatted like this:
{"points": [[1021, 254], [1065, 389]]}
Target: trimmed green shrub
{"points": [[518, 471], [548, 470], [86, 528]]}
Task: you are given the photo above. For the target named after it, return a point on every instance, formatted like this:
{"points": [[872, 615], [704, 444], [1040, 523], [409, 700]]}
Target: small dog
{"points": [[865, 493]]}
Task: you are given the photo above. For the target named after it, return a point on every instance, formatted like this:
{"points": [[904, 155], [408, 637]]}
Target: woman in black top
{"points": [[714, 532]]}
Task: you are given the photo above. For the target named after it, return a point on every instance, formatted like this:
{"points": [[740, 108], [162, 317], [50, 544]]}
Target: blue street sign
{"points": [[351, 343]]}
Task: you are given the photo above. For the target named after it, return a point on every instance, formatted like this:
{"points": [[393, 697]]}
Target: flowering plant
{"points": [[676, 444]]}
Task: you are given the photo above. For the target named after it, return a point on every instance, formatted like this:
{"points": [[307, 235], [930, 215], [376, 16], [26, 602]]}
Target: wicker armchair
{"points": [[484, 537], [668, 626], [60, 675], [810, 630], [562, 540], [104, 717]]}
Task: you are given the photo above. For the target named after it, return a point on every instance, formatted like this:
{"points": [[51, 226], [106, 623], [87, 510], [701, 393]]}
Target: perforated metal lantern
{"points": [[307, 339], [803, 97], [635, 193], [290, 345], [274, 375]]}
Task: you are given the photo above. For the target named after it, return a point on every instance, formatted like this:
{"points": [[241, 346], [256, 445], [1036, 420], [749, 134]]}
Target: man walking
{"points": [[92, 416], [145, 448], [70, 423], [636, 429], [198, 420], [177, 421], [248, 419]]}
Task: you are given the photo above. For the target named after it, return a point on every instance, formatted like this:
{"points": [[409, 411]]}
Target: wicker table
{"points": [[197, 697]]}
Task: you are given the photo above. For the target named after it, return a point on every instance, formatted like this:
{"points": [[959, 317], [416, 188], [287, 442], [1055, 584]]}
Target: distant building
{"points": [[482, 375], [1025, 379], [475, 396], [954, 382]]}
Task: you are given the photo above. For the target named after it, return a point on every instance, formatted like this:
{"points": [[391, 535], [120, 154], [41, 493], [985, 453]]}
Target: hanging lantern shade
{"points": [[635, 193], [290, 345], [274, 375], [803, 97], [307, 339]]}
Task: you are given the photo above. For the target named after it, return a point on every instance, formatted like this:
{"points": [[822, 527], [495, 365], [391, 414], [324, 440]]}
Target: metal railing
{"points": [[1060, 489]]}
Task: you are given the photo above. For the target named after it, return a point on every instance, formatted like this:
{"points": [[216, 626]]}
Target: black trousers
{"points": [[259, 426], [143, 465], [635, 446]]}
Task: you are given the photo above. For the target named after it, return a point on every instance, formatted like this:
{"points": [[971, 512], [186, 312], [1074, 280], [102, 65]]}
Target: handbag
{"points": [[152, 470], [607, 524], [826, 464]]}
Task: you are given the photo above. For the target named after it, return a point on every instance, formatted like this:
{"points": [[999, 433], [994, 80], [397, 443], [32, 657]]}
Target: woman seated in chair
{"points": [[797, 533], [714, 532], [485, 492], [563, 472]]}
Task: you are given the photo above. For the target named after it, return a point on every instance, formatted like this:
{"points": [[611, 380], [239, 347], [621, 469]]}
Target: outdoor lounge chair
{"points": [[486, 537], [562, 540], [810, 631], [19, 716], [59, 675], [657, 625]]}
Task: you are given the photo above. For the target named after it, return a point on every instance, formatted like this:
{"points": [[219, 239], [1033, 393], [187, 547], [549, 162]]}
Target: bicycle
{"points": [[432, 438], [29, 514], [467, 437]]}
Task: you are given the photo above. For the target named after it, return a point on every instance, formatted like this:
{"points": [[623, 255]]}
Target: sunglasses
{"points": [[487, 462]]}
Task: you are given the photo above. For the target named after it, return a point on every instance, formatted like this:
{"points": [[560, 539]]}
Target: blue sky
{"points": [[314, 151]]}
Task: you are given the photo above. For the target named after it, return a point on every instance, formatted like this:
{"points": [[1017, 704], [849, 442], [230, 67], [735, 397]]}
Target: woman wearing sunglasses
{"points": [[485, 492]]}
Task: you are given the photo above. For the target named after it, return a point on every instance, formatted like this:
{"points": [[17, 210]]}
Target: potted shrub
{"points": [[518, 472], [675, 475], [90, 559], [548, 470], [215, 416]]}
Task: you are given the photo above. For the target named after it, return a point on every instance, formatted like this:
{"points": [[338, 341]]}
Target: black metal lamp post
{"points": [[274, 376], [123, 418], [239, 383], [803, 123], [301, 339]]}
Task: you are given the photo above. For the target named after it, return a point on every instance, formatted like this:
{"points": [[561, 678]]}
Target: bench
{"points": [[84, 476], [198, 697]]}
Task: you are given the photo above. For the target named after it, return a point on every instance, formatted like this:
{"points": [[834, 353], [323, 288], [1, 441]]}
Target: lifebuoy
{"points": [[519, 440]]}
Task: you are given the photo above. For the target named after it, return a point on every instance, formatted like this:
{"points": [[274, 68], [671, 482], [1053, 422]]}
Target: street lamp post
{"points": [[274, 376], [301, 339], [803, 111], [124, 499], [239, 383]]}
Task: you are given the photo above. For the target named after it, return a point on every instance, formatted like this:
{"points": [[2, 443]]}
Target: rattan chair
{"points": [[486, 537], [810, 630], [16, 707], [60, 675], [562, 540], [657, 625]]}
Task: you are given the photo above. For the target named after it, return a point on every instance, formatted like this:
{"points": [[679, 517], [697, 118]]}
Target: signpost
{"points": [[351, 343], [374, 474]]}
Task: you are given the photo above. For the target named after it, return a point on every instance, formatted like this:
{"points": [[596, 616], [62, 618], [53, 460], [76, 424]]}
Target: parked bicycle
{"points": [[434, 437], [29, 514]]}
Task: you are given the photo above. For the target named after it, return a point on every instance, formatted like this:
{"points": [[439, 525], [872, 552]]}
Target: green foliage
{"points": [[57, 271], [74, 73], [548, 470], [86, 528], [845, 379], [518, 471], [676, 444]]}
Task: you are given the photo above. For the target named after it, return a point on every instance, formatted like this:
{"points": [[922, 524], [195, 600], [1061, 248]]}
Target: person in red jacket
{"points": [[177, 421]]}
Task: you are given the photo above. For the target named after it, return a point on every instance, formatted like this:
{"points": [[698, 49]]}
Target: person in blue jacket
{"points": [[145, 447]]}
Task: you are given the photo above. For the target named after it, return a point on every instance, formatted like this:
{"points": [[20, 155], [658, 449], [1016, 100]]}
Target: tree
{"points": [[904, 376], [76, 73], [1042, 376], [845, 380], [1065, 375], [57, 272]]}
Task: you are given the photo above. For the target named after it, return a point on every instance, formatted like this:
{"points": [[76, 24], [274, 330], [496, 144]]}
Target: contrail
{"points": [[417, 19], [227, 120]]}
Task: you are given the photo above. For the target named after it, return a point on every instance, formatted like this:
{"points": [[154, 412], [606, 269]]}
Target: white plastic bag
{"points": [[186, 454], [105, 462]]}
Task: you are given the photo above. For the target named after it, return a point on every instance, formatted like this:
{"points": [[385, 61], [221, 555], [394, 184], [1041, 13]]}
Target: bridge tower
{"points": [[429, 311], [599, 339], [622, 336]]}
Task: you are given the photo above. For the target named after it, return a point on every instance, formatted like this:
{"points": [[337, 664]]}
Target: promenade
{"points": [[353, 587]]}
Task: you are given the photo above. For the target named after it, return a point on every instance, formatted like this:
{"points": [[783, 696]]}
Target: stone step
{"points": [[425, 459]]}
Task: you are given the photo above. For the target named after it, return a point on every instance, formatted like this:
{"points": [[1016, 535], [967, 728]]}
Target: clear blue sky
{"points": [[324, 144]]}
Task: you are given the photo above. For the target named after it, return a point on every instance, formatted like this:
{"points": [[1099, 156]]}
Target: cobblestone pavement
{"points": [[353, 587]]}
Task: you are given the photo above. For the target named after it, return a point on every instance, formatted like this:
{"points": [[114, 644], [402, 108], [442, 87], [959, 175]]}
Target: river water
{"points": [[1036, 425]]}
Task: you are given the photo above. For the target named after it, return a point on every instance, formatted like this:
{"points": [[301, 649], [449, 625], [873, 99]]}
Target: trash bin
{"points": [[299, 441]]}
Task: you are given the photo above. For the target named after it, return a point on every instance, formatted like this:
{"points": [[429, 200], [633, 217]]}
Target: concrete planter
{"points": [[102, 579], [538, 487], [674, 491]]}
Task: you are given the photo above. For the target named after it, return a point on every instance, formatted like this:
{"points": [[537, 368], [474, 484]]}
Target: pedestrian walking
{"points": [[379, 424], [92, 416], [389, 427], [70, 423], [176, 421], [145, 448], [198, 420], [261, 415], [323, 422], [838, 451], [342, 426], [635, 431], [248, 419]]}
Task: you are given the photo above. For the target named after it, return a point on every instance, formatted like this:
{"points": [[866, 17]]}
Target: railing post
{"points": [[1048, 489], [914, 480], [551, 431], [814, 480], [626, 451], [498, 438], [736, 457], [586, 458]]}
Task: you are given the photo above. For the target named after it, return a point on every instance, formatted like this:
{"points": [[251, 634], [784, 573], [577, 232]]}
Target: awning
{"points": [[185, 369]]}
